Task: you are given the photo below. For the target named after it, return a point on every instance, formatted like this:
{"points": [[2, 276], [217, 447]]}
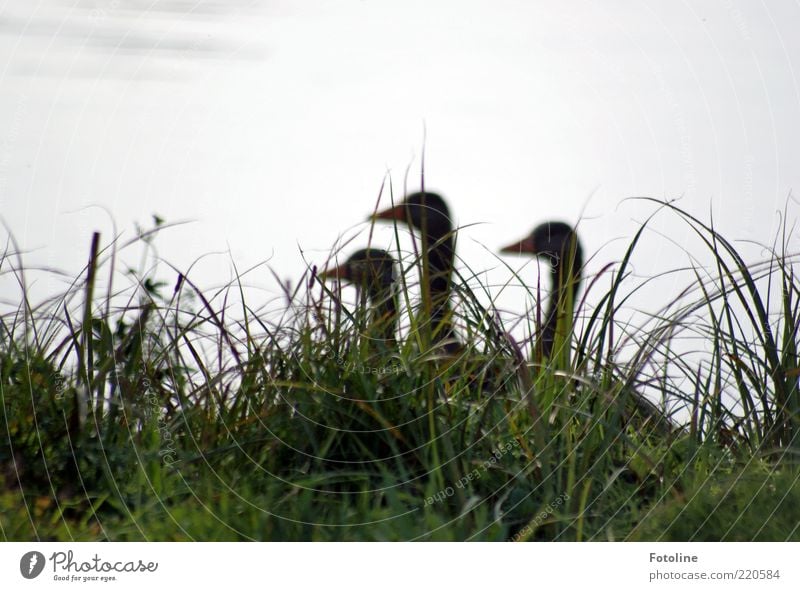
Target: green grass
{"points": [[158, 411]]}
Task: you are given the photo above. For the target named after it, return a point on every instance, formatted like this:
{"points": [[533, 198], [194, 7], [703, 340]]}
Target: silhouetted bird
{"points": [[559, 244], [428, 213], [373, 272]]}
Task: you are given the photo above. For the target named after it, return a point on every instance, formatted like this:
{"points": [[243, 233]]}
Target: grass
{"points": [[160, 411]]}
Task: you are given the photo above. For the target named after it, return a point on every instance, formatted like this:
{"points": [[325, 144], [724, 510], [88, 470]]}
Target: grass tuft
{"points": [[138, 405]]}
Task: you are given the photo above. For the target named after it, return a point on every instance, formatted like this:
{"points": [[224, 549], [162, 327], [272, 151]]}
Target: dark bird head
{"points": [[556, 241], [426, 212], [372, 269]]}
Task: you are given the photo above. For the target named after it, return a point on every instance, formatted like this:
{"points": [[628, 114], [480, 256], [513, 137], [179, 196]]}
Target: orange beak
{"points": [[524, 246], [340, 273], [398, 213]]}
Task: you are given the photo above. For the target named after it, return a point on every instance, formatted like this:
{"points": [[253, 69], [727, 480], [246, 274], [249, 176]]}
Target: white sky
{"points": [[272, 124]]}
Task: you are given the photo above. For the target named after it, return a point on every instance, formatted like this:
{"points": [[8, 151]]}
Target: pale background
{"points": [[272, 124]]}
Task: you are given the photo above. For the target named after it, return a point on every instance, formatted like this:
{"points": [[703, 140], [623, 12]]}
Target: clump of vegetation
{"points": [[161, 411], [754, 502]]}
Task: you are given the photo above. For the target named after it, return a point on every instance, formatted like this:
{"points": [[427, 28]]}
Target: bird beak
{"points": [[524, 246], [398, 213], [340, 273]]}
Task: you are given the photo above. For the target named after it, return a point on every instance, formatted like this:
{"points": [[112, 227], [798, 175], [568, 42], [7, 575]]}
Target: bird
{"points": [[429, 214], [374, 272], [558, 242]]}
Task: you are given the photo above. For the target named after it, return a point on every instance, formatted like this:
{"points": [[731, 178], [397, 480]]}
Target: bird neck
{"points": [[561, 305], [383, 317], [439, 258]]}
